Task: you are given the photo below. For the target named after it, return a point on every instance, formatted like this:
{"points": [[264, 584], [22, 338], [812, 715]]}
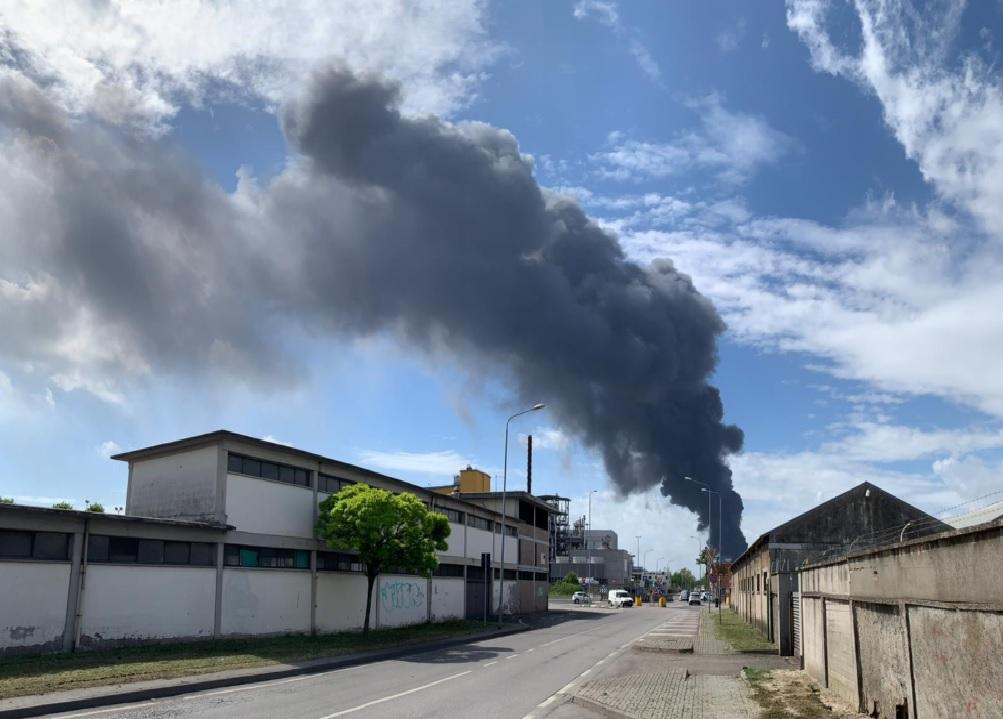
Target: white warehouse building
{"points": [[218, 540]]}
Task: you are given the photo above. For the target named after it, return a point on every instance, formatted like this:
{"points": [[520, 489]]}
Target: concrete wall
{"points": [[956, 660], [32, 606], [135, 603], [925, 629], [456, 541], [478, 541], [813, 637], [266, 507], [840, 653], [265, 601], [341, 602], [750, 599], [179, 486], [403, 600], [447, 598], [884, 663]]}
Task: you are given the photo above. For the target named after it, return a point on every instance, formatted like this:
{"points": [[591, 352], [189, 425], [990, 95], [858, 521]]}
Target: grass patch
{"points": [[742, 636], [42, 674], [787, 695]]}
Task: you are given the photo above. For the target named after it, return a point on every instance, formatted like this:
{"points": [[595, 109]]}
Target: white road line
{"points": [[511, 656], [490, 663], [124, 707], [531, 649], [391, 697]]}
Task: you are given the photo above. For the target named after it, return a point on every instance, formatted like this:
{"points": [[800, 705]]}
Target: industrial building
{"points": [[764, 579], [218, 540]]}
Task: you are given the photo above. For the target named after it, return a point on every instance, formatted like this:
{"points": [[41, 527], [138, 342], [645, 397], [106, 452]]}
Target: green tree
{"points": [[387, 530], [94, 506], [6, 500], [570, 578], [63, 505], [683, 578]]}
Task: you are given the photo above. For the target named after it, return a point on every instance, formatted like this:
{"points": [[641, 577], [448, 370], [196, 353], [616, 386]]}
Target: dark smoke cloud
{"points": [[434, 231]]}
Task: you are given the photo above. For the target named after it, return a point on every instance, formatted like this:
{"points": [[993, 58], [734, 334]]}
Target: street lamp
{"points": [[588, 546], [709, 491], [501, 586], [657, 562]]}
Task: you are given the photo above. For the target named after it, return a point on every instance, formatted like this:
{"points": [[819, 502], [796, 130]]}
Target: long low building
{"points": [[218, 540]]}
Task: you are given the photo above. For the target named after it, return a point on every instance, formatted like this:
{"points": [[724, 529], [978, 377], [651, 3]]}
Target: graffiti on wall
{"points": [[402, 595]]}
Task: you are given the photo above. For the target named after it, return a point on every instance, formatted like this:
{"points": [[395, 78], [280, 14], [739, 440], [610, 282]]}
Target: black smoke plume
{"points": [[383, 223]]}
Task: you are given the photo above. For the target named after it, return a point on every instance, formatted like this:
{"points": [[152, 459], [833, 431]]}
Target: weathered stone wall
{"points": [[913, 629]]}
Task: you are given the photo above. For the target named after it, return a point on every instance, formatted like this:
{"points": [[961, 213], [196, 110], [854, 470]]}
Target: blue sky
{"points": [[830, 178]]}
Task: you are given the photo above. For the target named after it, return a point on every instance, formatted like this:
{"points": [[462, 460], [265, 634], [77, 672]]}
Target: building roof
{"points": [[524, 496], [979, 516], [815, 524], [82, 514]]}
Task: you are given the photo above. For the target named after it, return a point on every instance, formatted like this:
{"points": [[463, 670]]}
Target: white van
{"points": [[620, 598]]}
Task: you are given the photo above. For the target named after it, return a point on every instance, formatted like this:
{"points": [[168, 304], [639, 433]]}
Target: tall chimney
{"points": [[529, 464]]}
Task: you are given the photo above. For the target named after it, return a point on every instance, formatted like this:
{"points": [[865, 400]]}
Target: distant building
{"points": [[594, 554], [975, 517], [764, 578]]}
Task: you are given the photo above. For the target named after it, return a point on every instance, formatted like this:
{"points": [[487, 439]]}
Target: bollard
{"points": [[661, 601], [637, 601]]}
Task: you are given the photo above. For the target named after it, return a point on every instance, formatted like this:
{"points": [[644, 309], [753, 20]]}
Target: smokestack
{"points": [[529, 464]]}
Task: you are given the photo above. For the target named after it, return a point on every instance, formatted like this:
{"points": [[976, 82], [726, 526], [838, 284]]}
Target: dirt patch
{"points": [[792, 695]]}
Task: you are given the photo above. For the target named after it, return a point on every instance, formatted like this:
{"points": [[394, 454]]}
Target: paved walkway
{"points": [[678, 670]]}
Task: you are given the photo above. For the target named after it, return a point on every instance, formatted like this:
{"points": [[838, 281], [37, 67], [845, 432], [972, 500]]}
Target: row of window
{"points": [[34, 545], [453, 515], [267, 470], [235, 555], [339, 562], [331, 484], [129, 550]]}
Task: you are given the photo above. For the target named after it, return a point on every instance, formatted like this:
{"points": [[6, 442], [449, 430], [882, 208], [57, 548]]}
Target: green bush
{"points": [[63, 505]]}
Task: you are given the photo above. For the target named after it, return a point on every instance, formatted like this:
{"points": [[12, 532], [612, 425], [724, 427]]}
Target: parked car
{"points": [[695, 598], [684, 595], [581, 598], [620, 598]]}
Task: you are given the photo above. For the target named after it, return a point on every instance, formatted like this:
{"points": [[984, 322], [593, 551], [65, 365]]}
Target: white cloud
{"points": [[730, 144], [446, 463], [607, 13], [134, 64], [948, 114], [728, 40], [273, 440], [107, 449]]}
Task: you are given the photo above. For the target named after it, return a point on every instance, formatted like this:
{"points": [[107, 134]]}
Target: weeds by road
{"points": [[742, 636], [20, 676], [791, 695]]}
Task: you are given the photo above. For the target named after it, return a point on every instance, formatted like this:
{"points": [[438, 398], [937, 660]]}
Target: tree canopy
{"points": [[389, 531]]}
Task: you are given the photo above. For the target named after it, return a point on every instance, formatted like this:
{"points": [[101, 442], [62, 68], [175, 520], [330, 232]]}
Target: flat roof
{"points": [[531, 498], [84, 514], [220, 435]]}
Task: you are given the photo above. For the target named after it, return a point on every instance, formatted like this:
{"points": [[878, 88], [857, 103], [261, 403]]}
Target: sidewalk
{"points": [[667, 675], [101, 696]]}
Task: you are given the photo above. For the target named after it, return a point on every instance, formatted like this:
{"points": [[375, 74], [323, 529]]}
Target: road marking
{"points": [[124, 707], [490, 663], [391, 697], [511, 656], [531, 649]]}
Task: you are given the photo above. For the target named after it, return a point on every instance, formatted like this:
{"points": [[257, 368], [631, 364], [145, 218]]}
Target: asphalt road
{"points": [[508, 677]]}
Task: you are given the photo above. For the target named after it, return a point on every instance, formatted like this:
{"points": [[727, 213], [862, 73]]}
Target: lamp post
{"points": [[709, 491], [588, 546], [501, 585]]}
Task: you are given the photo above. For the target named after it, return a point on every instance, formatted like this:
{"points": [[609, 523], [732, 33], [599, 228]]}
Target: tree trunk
{"points": [[369, 601]]}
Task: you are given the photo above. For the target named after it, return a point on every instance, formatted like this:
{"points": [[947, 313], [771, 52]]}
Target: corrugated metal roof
{"points": [[979, 516]]}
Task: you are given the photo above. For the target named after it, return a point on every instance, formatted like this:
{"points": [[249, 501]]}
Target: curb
{"points": [[140, 695], [600, 708]]}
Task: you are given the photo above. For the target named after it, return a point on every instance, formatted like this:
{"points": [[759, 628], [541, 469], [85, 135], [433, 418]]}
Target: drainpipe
{"points": [[78, 615]]}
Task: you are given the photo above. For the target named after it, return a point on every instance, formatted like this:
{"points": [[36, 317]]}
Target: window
{"points": [[177, 552], [511, 531], [480, 523], [525, 576], [339, 562], [102, 549], [265, 557], [51, 545], [275, 471], [15, 545], [453, 515], [542, 577], [332, 484], [150, 551], [449, 570], [202, 554]]}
